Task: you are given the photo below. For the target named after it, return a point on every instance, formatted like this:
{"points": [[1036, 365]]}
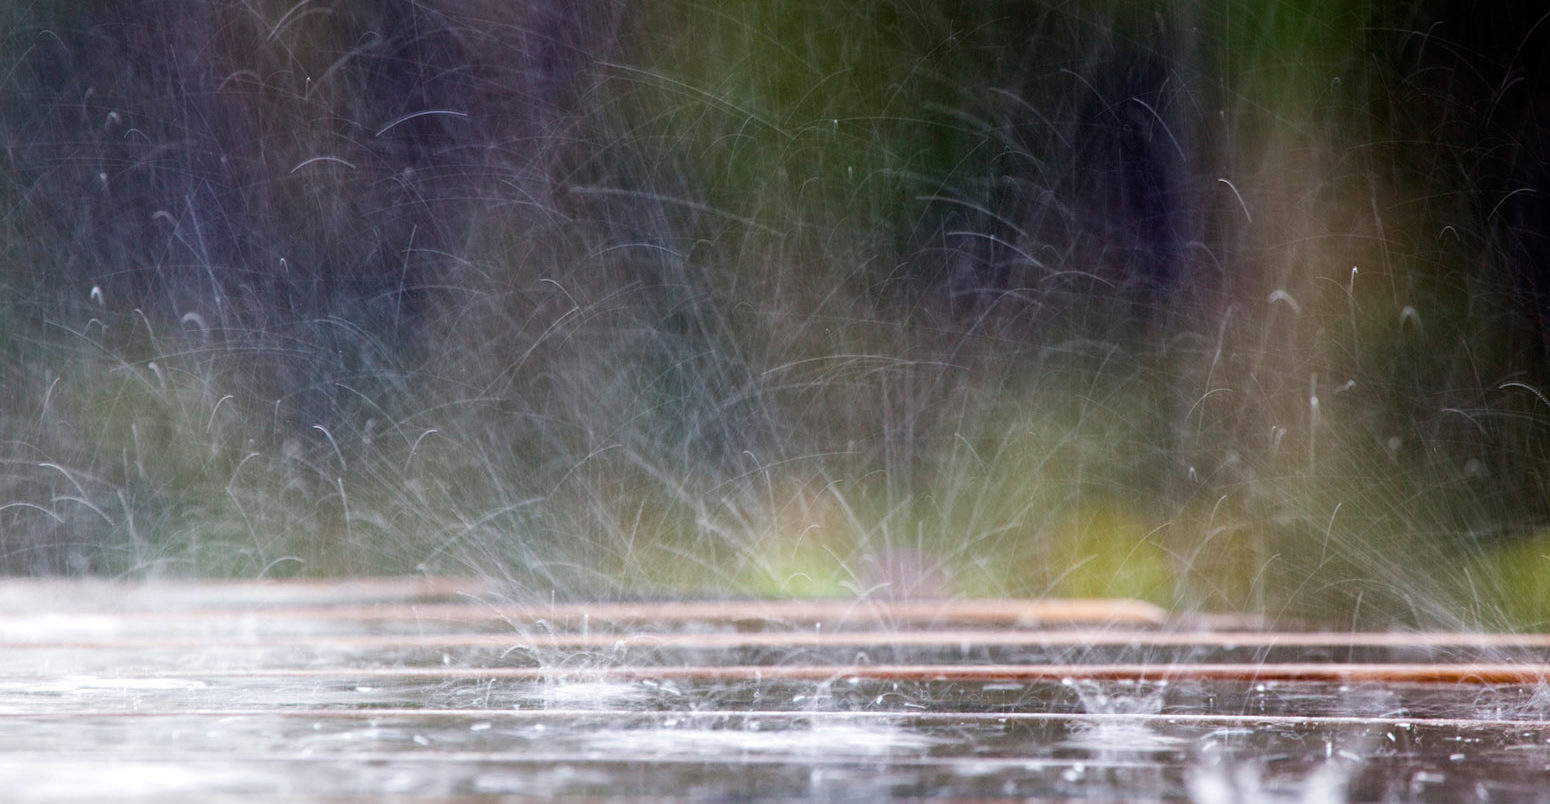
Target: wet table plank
{"points": [[449, 690]]}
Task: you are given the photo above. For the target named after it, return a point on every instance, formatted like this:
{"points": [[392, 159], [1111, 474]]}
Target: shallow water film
{"points": [[1236, 311], [441, 690]]}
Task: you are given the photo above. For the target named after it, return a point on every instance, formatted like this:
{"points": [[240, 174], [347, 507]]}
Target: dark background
{"points": [[1234, 305]]}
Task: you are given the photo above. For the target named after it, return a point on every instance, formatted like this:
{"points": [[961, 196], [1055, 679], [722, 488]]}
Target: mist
{"points": [[1225, 307]]}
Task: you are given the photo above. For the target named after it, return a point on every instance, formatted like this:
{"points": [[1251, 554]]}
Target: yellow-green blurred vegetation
{"points": [[1225, 306]]}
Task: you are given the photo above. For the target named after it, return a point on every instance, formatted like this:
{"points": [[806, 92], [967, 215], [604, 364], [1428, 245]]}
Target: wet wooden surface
{"points": [[432, 689]]}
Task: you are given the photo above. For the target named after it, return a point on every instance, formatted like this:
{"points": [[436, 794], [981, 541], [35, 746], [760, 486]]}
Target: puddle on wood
{"points": [[269, 694]]}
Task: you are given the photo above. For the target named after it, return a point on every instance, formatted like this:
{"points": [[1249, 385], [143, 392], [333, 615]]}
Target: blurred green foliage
{"points": [[1215, 305]]}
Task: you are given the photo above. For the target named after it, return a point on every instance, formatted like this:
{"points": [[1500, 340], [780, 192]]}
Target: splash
{"points": [[1218, 308]]}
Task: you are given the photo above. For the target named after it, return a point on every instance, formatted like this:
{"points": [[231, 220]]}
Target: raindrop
{"points": [[1287, 299]]}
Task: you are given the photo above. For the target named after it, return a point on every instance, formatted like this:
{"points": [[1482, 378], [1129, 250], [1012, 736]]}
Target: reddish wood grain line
{"points": [[1391, 673], [250, 634]]}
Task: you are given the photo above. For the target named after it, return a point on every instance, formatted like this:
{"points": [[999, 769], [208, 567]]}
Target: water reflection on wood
{"points": [[443, 690]]}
